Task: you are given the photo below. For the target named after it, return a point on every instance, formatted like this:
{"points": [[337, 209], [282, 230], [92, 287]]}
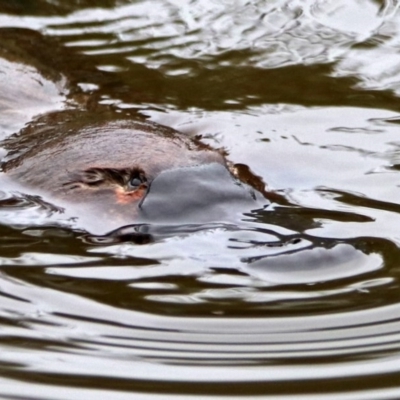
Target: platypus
{"points": [[112, 171]]}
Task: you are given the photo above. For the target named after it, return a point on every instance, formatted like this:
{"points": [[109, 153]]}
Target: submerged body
{"points": [[30, 85]]}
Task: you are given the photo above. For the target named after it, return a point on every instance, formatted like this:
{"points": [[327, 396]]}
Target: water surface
{"points": [[297, 298]]}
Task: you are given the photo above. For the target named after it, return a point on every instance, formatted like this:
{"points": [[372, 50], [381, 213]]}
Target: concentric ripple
{"points": [[66, 338]]}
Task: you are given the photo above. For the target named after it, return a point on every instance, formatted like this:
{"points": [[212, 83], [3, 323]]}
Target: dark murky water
{"points": [[292, 299]]}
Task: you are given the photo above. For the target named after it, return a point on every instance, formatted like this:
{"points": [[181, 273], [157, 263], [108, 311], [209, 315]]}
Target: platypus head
{"points": [[115, 173]]}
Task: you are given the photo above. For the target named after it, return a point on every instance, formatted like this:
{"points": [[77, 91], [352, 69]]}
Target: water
{"points": [[295, 298]]}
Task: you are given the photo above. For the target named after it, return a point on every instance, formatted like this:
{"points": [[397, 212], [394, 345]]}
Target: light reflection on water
{"points": [[299, 299]]}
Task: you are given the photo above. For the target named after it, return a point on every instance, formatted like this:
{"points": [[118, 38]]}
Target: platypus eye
{"points": [[135, 182], [137, 179]]}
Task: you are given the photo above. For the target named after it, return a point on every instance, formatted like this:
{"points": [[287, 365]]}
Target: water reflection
{"points": [[207, 54]]}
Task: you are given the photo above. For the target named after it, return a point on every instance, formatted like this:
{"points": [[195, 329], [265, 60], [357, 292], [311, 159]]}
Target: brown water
{"points": [[291, 300]]}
